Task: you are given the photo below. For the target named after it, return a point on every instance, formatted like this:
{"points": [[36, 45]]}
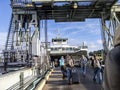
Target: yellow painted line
{"points": [[41, 85], [43, 82]]}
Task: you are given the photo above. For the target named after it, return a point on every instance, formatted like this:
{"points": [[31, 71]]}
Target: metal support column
{"points": [[46, 42], [46, 36], [103, 24]]}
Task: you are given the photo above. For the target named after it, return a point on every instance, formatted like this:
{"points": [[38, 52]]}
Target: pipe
{"points": [[38, 80]]}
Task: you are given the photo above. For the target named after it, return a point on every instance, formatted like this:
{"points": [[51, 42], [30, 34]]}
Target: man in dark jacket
{"points": [[112, 65]]}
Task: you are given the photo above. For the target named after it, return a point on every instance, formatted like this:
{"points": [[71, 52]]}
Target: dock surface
{"points": [[55, 82]]}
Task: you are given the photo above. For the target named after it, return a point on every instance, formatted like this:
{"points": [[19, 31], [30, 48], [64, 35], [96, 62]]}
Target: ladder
{"points": [[10, 36]]}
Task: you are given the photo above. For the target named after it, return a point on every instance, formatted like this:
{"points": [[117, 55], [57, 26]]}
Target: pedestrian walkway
{"points": [[11, 78], [1, 70], [55, 82]]}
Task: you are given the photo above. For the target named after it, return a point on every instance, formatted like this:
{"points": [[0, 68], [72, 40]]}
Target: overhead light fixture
{"points": [[75, 5], [67, 15]]}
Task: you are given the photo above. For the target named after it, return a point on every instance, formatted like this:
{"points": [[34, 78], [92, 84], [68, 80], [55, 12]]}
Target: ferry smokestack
{"points": [[83, 43]]}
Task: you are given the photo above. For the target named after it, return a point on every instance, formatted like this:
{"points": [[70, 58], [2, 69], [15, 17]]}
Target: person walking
{"points": [[97, 71], [62, 65], [69, 65], [92, 62], [83, 65]]}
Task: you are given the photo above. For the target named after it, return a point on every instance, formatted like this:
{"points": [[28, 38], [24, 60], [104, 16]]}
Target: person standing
{"points": [[5, 65]]}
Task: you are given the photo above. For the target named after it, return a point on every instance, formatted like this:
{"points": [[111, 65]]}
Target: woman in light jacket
{"points": [[69, 65]]}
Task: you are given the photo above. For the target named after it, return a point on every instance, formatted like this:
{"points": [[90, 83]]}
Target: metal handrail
{"points": [[39, 79], [27, 82], [9, 31]]}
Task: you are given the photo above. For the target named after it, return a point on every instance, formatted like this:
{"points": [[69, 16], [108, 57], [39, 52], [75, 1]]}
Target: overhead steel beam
{"points": [[63, 0], [116, 8]]}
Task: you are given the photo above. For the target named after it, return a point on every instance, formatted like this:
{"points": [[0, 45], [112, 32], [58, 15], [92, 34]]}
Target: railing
{"points": [[38, 73], [65, 51], [18, 85], [68, 51]]}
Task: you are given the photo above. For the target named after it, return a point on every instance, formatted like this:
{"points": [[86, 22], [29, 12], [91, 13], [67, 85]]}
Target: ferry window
{"points": [[84, 47], [63, 48], [52, 49], [55, 40], [63, 40], [70, 48], [59, 40], [67, 48], [56, 49]]}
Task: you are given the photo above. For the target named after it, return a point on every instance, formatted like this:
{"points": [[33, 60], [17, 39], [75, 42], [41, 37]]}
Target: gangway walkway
{"points": [[55, 82], [10, 79]]}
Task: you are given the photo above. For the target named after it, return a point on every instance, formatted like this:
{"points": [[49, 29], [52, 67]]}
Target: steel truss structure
{"points": [[109, 27], [26, 15], [19, 41]]}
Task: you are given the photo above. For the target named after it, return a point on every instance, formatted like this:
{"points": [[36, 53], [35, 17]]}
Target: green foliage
{"points": [[97, 53]]}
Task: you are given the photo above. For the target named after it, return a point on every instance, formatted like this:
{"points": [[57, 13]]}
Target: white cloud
{"points": [[3, 36], [99, 42], [95, 31], [94, 46], [73, 41], [78, 32]]}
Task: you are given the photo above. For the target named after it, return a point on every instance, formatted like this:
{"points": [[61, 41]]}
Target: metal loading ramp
{"points": [[55, 82]]}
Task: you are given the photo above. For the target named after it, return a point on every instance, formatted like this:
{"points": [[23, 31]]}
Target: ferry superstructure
{"points": [[60, 47]]}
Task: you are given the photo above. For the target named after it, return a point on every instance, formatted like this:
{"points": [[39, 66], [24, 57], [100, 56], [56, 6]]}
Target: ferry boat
{"points": [[60, 47]]}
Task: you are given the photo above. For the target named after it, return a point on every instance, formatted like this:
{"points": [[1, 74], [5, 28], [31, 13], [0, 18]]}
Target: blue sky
{"points": [[78, 32], [88, 32]]}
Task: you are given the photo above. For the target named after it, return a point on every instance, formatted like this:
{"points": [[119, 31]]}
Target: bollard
{"points": [[21, 81], [38, 71]]}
